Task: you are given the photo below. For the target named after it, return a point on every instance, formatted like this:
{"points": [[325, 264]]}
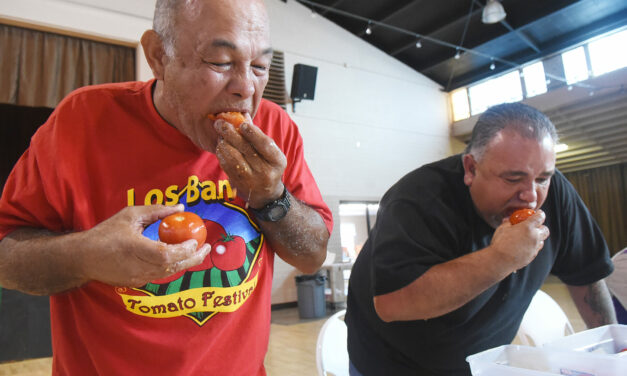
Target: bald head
{"points": [[169, 13]]}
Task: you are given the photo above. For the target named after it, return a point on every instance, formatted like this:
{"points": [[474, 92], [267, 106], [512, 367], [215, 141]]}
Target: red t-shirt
{"points": [[105, 147]]}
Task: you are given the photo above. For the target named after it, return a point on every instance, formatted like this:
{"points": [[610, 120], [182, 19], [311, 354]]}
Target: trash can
{"points": [[310, 291]]}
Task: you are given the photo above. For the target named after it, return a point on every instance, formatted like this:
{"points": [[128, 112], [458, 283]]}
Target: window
{"points": [[575, 65], [506, 88], [459, 101], [356, 221], [609, 53], [535, 80]]}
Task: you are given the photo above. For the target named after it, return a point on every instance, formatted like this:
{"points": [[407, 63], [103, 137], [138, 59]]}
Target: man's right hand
{"points": [[517, 245], [39, 262], [115, 251]]}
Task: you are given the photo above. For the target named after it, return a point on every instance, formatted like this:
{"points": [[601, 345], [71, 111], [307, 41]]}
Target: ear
{"points": [[470, 167], [155, 53]]}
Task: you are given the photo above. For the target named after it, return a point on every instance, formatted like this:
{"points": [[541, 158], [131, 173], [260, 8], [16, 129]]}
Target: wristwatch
{"points": [[276, 210]]}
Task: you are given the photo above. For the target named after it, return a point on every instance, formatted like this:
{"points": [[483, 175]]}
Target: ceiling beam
{"points": [[334, 5], [391, 14], [456, 23], [607, 24]]}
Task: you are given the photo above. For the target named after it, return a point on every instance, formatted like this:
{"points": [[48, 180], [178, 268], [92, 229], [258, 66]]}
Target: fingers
{"points": [[141, 216], [167, 259], [254, 146], [263, 144], [538, 217], [187, 261]]}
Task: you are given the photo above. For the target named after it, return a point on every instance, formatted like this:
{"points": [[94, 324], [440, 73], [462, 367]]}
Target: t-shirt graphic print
{"points": [[222, 282]]}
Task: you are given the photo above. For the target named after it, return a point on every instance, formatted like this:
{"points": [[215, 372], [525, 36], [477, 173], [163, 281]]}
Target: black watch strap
{"points": [[276, 210]]}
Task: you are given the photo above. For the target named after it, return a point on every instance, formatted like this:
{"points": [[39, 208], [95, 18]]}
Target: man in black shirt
{"points": [[444, 274]]}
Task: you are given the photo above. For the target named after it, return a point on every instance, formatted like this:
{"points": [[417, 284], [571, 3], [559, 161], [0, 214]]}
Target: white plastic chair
{"points": [[543, 322], [331, 351]]}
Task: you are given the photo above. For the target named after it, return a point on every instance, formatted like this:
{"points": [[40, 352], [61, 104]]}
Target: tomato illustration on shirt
{"points": [[228, 253]]}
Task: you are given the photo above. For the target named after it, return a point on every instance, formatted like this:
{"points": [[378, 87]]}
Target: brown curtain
{"points": [[604, 190], [39, 68]]}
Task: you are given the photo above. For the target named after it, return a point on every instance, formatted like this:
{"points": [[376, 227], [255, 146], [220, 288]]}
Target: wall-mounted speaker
{"points": [[303, 82]]}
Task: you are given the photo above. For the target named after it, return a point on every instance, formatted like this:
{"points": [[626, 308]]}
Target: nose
{"points": [[529, 194], [242, 83]]}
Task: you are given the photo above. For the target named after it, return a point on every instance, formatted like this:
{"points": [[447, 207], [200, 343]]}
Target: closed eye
{"points": [[217, 64]]}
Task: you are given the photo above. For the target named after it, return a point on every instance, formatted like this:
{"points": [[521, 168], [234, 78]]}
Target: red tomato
{"points": [[520, 215], [179, 227], [235, 118], [229, 253]]}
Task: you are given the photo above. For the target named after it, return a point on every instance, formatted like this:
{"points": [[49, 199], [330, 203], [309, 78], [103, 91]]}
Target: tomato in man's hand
{"points": [[179, 227], [520, 215]]}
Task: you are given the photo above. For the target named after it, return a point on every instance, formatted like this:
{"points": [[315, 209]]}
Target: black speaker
{"points": [[303, 82]]}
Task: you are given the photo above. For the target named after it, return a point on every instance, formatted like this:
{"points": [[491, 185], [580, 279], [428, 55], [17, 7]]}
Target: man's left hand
{"points": [[252, 160]]}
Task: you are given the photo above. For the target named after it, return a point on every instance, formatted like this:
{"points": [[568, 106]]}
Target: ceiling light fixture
{"points": [[493, 12], [369, 29], [418, 44], [457, 55], [492, 65]]}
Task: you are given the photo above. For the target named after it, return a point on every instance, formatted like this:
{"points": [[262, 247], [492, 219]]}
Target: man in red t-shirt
{"points": [[80, 211]]}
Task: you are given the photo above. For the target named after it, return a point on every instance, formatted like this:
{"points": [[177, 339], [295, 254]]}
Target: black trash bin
{"points": [[310, 291]]}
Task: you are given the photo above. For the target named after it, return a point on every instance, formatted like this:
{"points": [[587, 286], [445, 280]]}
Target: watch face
{"points": [[277, 212]]}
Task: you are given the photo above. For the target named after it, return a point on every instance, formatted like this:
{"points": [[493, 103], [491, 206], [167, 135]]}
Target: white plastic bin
{"points": [[608, 339], [514, 360]]}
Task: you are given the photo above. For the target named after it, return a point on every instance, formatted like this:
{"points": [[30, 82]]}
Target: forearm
{"points": [[594, 304], [39, 262], [300, 238], [443, 288]]}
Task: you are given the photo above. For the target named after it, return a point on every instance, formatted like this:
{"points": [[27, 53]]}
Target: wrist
{"points": [[275, 210]]}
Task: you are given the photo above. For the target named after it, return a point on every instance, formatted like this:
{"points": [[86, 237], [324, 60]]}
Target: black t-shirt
{"points": [[428, 218]]}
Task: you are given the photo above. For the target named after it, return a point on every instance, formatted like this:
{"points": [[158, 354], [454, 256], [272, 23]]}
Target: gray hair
{"points": [[526, 120], [164, 21]]}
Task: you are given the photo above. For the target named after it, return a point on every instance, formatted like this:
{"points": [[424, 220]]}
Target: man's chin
{"points": [[495, 221]]}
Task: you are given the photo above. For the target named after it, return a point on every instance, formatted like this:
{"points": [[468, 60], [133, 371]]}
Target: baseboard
{"points": [[277, 306]]}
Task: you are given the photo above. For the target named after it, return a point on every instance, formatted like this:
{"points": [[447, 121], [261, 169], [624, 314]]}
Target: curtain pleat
{"points": [[604, 191], [10, 45], [39, 68]]}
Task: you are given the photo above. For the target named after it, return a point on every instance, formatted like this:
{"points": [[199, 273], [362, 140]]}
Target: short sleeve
{"points": [[409, 238], [25, 201], [583, 256]]}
